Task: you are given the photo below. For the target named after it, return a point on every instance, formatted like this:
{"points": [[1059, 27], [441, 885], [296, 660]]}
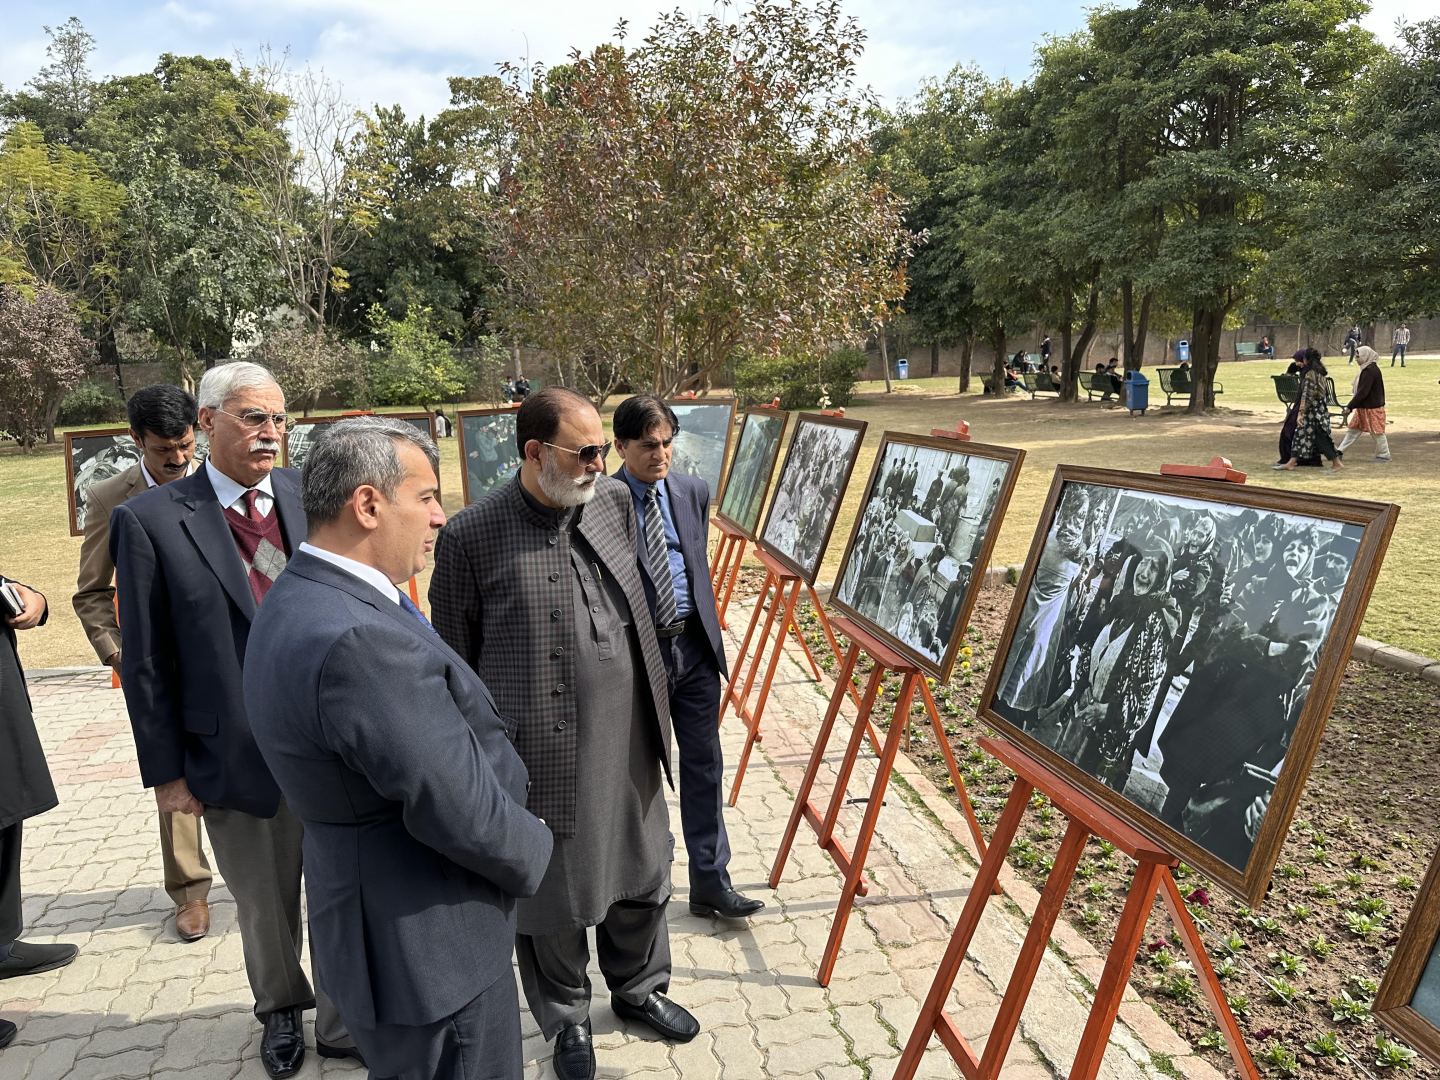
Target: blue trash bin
{"points": [[1137, 392], [902, 368], [1182, 351]]}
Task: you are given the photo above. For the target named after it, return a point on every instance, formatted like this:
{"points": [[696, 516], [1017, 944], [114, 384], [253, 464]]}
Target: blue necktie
{"points": [[408, 605]]}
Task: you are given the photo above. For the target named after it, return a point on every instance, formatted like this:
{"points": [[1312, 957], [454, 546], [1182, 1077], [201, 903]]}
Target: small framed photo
{"points": [[92, 456], [488, 454], [751, 470], [304, 433], [1175, 646], [706, 425], [812, 482], [918, 552], [1409, 999]]}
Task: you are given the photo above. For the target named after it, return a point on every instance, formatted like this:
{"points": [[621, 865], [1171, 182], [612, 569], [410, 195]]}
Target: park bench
{"points": [[1249, 350], [1287, 389], [1097, 384], [1039, 382], [1170, 388]]}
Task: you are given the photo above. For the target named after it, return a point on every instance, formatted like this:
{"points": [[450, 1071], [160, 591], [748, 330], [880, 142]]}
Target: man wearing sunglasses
{"points": [[537, 587]]}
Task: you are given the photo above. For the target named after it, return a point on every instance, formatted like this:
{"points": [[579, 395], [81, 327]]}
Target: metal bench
{"points": [[1287, 389], [1249, 350], [1039, 382], [1181, 388], [1098, 383]]}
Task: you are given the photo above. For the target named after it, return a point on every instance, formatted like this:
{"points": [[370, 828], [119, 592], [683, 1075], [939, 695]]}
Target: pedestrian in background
{"points": [[1365, 414]]}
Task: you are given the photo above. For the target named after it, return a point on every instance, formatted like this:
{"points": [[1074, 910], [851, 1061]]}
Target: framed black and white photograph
{"points": [[1409, 999], [923, 537], [304, 433], [751, 469], [487, 449], [703, 439], [1175, 646], [92, 456], [812, 482]]}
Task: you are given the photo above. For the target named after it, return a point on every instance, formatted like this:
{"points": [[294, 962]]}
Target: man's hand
{"points": [[34, 607], [175, 798]]}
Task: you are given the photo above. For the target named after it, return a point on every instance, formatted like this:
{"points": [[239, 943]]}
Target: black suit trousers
{"points": [[11, 916], [694, 680]]}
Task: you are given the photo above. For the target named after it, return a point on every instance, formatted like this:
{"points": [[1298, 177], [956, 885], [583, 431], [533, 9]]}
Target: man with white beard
{"points": [[537, 587]]}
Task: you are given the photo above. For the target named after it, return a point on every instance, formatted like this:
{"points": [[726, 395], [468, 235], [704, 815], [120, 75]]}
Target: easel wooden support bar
{"points": [[725, 571], [852, 865], [1153, 872], [782, 589]]}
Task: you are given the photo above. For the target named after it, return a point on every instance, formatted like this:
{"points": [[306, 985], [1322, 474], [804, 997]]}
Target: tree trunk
{"points": [[1074, 359], [1205, 357], [934, 359], [997, 369], [885, 359], [967, 354], [1135, 330], [1142, 330], [1067, 327]]}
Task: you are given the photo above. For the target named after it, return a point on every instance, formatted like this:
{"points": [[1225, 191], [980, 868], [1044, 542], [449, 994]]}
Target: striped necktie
{"points": [[655, 550], [408, 605]]}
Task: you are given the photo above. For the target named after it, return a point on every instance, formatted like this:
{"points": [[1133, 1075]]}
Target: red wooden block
{"points": [[1218, 469]]}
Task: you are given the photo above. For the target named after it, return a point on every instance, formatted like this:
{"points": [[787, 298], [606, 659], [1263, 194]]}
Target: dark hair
{"points": [[1313, 356], [355, 452], [637, 415], [162, 410], [539, 415]]}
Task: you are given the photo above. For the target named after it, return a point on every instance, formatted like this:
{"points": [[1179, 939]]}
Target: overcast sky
{"points": [[390, 51]]}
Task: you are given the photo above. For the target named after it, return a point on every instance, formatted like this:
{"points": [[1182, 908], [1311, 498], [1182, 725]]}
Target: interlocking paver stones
{"points": [[140, 1003]]}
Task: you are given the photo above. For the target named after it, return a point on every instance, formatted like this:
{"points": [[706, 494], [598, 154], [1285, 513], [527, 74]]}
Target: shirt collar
{"points": [[365, 572], [228, 492], [642, 490], [150, 481]]}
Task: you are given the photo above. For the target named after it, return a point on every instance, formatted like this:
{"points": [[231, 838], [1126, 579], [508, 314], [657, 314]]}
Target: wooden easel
{"points": [[1153, 873], [782, 589], [883, 660], [725, 570]]}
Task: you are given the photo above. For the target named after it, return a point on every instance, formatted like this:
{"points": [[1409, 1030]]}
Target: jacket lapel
{"points": [[205, 522], [293, 525], [642, 553]]}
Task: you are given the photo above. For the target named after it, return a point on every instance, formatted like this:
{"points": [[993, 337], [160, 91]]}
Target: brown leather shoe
{"points": [[192, 920]]}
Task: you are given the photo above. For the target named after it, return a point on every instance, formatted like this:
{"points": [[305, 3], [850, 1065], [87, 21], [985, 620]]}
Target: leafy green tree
{"points": [[43, 354], [412, 364], [307, 362], [60, 97]]}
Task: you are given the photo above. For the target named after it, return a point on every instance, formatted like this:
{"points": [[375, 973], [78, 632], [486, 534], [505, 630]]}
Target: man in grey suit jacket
{"points": [[391, 752]]}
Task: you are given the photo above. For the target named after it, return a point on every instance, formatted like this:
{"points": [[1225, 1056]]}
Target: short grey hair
{"points": [[224, 381], [353, 453]]}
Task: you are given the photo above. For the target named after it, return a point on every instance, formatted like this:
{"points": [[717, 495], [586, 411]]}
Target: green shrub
{"points": [[92, 402], [800, 382]]}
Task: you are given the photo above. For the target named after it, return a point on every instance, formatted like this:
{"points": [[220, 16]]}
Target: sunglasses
{"points": [[256, 418], [587, 454]]}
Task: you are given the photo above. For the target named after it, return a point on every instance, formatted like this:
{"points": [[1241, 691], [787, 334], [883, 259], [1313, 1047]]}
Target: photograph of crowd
{"points": [[304, 434], [703, 438], [751, 469], [1166, 647], [487, 447], [92, 456], [922, 532], [807, 496]]}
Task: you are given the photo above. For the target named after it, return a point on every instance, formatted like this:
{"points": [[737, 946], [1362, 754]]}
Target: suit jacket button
{"points": [[555, 614], [554, 577], [596, 608], [559, 651], [560, 688], [561, 726], [554, 539]]}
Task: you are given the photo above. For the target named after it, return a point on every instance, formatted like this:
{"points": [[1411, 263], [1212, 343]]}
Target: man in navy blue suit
{"points": [[389, 749], [674, 514]]}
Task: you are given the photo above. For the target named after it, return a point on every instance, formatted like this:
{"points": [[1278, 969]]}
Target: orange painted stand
{"points": [[884, 660], [1153, 873], [725, 571], [414, 592], [782, 588]]}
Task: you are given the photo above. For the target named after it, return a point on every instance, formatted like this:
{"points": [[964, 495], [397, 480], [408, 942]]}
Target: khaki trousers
{"points": [[187, 871]]}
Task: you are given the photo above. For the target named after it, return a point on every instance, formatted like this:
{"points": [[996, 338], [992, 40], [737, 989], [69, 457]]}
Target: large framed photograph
{"points": [[1175, 646], [1409, 999], [305, 433], [918, 552], [812, 482], [488, 453], [751, 470], [703, 440], [92, 456]]}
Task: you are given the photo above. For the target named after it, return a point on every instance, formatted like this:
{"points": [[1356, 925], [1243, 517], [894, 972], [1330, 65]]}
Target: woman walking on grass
{"points": [[1312, 416], [1366, 412]]}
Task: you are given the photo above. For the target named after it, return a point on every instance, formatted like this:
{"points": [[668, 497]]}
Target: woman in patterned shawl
{"points": [[1312, 420]]}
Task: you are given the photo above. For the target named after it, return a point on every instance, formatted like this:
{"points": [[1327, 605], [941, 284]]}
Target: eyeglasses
{"points": [[586, 454], [256, 418]]}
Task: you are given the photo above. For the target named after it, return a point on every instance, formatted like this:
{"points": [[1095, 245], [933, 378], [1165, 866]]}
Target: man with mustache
{"points": [[536, 586], [162, 423], [195, 559]]}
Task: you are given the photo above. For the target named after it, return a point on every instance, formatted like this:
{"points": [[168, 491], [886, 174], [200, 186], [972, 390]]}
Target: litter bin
{"points": [[1137, 392], [902, 368], [1182, 351]]}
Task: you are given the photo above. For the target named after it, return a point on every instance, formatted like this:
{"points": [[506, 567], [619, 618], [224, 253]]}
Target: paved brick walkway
{"points": [[140, 1003]]}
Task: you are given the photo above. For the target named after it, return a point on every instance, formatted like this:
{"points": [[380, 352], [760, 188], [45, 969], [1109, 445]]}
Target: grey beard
{"points": [[561, 489]]}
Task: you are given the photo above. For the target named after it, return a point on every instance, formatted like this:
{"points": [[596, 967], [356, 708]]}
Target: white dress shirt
{"points": [[232, 494], [150, 481], [366, 573]]}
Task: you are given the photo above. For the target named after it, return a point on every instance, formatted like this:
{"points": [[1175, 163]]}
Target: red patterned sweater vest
{"points": [[261, 545]]}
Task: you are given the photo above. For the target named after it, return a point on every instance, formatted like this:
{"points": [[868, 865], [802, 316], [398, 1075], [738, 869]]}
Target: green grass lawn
{"points": [[35, 545]]}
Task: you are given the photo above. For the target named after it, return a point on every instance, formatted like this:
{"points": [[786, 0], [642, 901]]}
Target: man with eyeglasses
{"points": [[537, 587], [194, 560]]}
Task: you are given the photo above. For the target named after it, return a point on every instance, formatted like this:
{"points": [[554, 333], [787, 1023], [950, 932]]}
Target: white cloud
{"points": [[190, 16]]}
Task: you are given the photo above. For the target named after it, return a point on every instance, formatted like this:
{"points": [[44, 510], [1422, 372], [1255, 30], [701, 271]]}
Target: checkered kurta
{"points": [[501, 596]]}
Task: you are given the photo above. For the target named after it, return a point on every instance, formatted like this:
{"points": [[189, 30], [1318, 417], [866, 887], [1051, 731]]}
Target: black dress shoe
{"points": [[8, 1031], [326, 1050], [28, 959], [574, 1053], [727, 903], [672, 1021], [282, 1047]]}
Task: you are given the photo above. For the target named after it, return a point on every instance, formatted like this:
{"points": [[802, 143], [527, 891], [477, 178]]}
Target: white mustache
{"points": [[265, 444]]}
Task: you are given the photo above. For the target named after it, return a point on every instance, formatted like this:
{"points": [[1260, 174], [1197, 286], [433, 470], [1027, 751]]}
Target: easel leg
{"points": [[752, 721], [933, 1017], [898, 722], [744, 653], [835, 651], [805, 648], [852, 751], [812, 770], [734, 577], [954, 768]]}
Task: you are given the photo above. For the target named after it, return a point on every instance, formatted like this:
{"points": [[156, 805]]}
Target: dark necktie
{"points": [[409, 605], [659, 558], [252, 511]]}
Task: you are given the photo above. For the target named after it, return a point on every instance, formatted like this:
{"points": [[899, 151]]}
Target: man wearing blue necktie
{"points": [[674, 512], [390, 750]]}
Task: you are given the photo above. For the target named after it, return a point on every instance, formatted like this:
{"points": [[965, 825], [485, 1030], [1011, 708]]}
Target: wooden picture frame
{"points": [[92, 456], [304, 426], [506, 459], [1414, 973], [1227, 673], [693, 444], [752, 468], [928, 529], [809, 492]]}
